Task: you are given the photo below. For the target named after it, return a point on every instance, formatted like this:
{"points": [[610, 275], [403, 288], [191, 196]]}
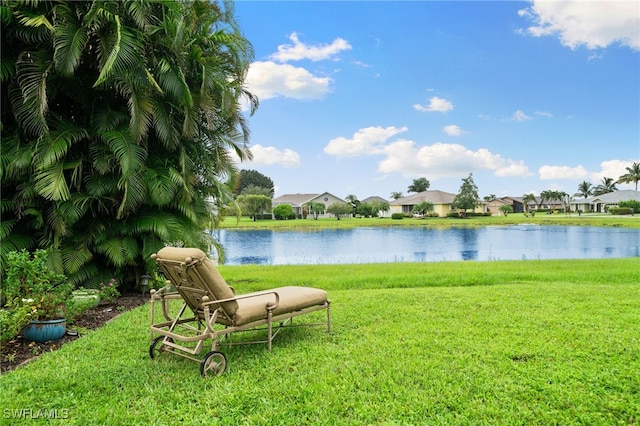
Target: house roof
{"points": [[434, 197], [294, 199], [373, 198], [298, 200], [611, 197]]}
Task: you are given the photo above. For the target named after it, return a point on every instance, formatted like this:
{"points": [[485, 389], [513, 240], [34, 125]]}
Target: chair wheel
{"points": [[157, 346], [213, 363]]}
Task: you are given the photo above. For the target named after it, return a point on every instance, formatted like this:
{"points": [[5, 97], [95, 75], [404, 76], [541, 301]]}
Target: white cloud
{"points": [[269, 155], [594, 24], [545, 114], [513, 169], [299, 50], [367, 141], [436, 104], [269, 80], [453, 130], [610, 168], [563, 172], [444, 160], [613, 169], [520, 116]]}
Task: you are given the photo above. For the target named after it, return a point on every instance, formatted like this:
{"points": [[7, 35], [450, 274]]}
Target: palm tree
{"points": [[119, 120], [527, 199], [396, 195], [632, 175], [585, 189], [607, 185]]}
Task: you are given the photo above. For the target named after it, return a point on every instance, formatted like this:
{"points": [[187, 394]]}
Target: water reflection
{"points": [[377, 245]]}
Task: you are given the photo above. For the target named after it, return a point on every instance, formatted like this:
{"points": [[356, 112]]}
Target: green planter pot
{"points": [[44, 331]]}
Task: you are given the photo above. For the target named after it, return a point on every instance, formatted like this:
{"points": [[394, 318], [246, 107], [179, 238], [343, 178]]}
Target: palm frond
{"points": [[160, 187], [51, 182], [7, 69], [135, 194], [54, 146], [69, 41], [31, 19], [30, 109], [128, 153], [114, 249], [76, 256], [163, 225]]}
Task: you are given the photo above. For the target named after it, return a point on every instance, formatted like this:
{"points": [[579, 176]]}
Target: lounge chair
{"points": [[212, 311]]}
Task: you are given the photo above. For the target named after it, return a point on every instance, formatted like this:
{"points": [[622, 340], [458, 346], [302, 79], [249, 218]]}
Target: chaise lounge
{"points": [[212, 311]]}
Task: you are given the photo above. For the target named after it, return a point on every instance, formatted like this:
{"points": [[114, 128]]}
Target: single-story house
{"points": [[494, 205], [298, 201], [379, 200], [600, 203], [442, 202]]}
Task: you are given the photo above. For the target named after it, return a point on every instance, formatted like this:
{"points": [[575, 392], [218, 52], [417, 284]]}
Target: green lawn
{"points": [[513, 342], [591, 219]]}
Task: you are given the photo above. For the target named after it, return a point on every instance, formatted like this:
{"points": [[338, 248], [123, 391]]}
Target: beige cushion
{"points": [[291, 299]]}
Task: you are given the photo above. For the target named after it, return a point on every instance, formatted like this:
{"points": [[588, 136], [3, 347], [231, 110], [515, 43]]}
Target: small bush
{"points": [[619, 210], [397, 216], [632, 204], [283, 211]]}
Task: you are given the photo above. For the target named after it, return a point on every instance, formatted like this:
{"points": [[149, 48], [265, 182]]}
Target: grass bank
{"points": [[512, 219], [513, 342]]}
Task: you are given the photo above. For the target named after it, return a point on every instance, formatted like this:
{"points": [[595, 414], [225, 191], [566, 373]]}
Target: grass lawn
{"points": [[588, 219], [512, 342]]}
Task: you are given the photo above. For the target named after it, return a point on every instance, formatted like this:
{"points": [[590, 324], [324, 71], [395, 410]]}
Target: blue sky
{"points": [[363, 97]]}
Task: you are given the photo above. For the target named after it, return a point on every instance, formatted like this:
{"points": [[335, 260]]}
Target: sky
{"points": [[361, 98]]}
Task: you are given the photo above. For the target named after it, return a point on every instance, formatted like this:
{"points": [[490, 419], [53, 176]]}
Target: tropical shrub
{"points": [[118, 121], [397, 216]]}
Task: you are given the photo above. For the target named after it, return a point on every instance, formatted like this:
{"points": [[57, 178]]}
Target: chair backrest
{"points": [[194, 275]]}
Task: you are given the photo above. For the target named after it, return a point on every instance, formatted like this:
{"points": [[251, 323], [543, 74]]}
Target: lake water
{"points": [[400, 244]]}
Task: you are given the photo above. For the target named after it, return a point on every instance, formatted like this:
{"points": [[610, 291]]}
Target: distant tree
{"points": [[527, 199], [585, 189], [248, 178], [340, 209], [283, 211], [419, 185], [608, 185], [315, 209], [254, 204], [380, 206], [256, 190], [566, 199], [423, 208], [366, 210], [632, 175], [467, 198], [353, 200], [505, 209], [489, 197], [396, 195], [546, 195]]}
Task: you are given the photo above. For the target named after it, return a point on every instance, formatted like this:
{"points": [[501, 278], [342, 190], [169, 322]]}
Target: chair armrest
{"points": [[247, 296]]}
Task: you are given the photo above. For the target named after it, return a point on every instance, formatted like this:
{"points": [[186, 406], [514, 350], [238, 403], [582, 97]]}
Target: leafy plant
{"points": [[31, 291], [109, 291]]}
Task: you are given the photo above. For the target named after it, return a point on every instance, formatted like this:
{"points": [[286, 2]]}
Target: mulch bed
{"points": [[19, 351]]}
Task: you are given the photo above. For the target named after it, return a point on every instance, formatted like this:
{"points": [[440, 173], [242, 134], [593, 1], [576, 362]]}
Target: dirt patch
{"points": [[20, 351]]}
